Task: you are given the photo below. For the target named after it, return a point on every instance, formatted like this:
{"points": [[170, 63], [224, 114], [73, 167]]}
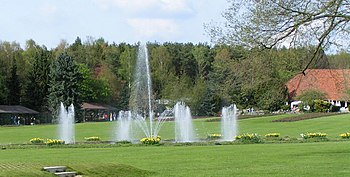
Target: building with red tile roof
{"points": [[335, 83]]}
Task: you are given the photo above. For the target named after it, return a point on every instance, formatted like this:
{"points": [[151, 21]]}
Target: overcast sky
{"points": [[49, 21]]}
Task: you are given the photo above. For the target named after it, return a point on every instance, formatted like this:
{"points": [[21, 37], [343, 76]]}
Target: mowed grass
{"points": [[292, 159], [271, 159], [332, 125]]}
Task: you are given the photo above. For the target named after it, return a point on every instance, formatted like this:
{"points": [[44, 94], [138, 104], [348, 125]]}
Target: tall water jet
{"points": [[229, 123], [66, 124], [141, 103], [124, 126], [141, 92], [184, 131]]}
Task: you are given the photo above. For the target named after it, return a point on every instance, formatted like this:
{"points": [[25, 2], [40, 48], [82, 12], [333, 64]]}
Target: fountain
{"points": [[124, 126], [66, 124], [184, 131], [229, 123], [141, 116]]}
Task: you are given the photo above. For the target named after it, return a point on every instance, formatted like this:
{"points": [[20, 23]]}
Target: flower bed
{"points": [[51, 142], [313, 135], [249, 138], [36, 141], [214, 136], [345, 135], [150, 140], [93, 138], [272, 135]]}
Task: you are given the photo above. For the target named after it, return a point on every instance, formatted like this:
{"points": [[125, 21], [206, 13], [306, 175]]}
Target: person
{"points": [[15, 120], [32, 120], [19, 121]]}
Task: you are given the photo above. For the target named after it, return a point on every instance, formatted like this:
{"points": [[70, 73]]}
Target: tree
{"points": [[204, 58], [273, 23], [36, 89], [309, 97], [64, 83], [14, 86], [162, 69], [127, 63]]}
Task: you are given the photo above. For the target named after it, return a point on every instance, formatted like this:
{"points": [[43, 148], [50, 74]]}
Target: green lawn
{"points": [[271, 159], [292, 159], [333, 126]]}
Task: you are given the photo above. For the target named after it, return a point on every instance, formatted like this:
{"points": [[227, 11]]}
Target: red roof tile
{"points": [[333, 82]]}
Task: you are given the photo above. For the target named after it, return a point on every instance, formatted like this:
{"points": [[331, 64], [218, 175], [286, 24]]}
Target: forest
{"points": [[205, 76]]}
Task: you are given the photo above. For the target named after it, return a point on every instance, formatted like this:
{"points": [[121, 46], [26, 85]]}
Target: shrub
{"points": [[93, 138], [151, 140], [36, 141], [322, 106], [313, 135], [345, 135], [213, 136], [249, 138], [51, 142], [272, 135]]}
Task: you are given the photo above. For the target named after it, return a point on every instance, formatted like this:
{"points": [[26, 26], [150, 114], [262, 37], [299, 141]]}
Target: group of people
{"points": [[17, 120]]}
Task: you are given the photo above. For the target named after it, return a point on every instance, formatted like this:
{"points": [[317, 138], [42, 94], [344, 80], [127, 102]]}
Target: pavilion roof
{"points": [[97, 106], [16, 109]]}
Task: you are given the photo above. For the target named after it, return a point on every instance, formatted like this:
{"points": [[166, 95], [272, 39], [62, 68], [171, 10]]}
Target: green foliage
{"points": [[14, 86], [309, 97], [93, 90], [65, 81], [36, 90], [205, 77], [322, 106]]}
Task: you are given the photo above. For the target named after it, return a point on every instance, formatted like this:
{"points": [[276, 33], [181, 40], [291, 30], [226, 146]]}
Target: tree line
{"points": [[205, 76]]}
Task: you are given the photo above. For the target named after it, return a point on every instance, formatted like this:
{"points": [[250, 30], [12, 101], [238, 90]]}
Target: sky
{"points": [[48, 22]]}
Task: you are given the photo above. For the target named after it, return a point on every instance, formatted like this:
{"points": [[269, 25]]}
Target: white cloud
{"points": [[149, 29], [176, 6]]}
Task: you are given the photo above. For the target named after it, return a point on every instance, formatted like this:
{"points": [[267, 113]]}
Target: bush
{"points": [[249, 138], [322, 106]]}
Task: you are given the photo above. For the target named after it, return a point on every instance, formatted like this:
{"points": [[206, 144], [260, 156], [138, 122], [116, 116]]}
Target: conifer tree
{"points": [[13, 86], [64, 83]]}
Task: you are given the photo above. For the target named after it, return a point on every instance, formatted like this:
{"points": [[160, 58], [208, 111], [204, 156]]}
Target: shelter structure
{"points": [[16, 114], [335, 83], [99, 112]]}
